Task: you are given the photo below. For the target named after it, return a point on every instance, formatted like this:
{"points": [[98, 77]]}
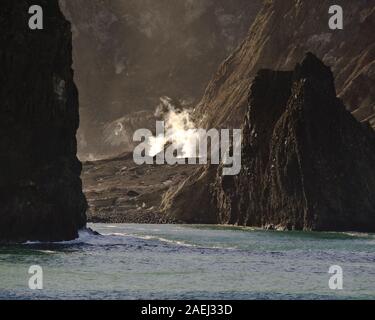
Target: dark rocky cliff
{"points": [[282, 33], [40, 188], [307, 162]]}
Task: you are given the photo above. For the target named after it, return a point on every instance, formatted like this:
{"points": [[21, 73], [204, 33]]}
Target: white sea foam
{"points": [[84, 236], [89, 237], [149, 237]]}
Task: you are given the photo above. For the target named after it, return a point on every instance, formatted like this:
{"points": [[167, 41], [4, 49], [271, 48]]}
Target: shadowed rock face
{"points": [[282, 33], [40, 188], [307, 162]]}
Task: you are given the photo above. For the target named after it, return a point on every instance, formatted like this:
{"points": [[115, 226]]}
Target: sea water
{"points": [[134, 261]]}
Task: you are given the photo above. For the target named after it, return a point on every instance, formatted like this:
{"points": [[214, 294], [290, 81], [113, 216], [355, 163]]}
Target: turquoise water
{"points": [[191, 262]]}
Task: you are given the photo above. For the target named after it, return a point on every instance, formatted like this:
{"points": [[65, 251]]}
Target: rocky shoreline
{"points": [[307, 164], [118, 191]]}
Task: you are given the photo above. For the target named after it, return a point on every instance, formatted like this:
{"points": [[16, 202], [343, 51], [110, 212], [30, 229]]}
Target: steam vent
{"points": [[41, 195]]}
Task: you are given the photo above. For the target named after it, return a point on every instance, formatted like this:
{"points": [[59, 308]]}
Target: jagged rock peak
{"points": [[279, 38], [307, 163], [313, 68]]}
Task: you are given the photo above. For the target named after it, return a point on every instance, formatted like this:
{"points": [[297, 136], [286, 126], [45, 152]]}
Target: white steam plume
{"points": [[180, 131]]}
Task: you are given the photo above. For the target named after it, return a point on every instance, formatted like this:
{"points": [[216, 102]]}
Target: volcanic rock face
{"points": [[307, 163], [282, 33], [40, 188], [129, 53]]}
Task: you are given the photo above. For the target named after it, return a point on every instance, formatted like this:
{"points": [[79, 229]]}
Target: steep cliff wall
{"points": [[40, 188], [307, 163], [282, 33]]}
